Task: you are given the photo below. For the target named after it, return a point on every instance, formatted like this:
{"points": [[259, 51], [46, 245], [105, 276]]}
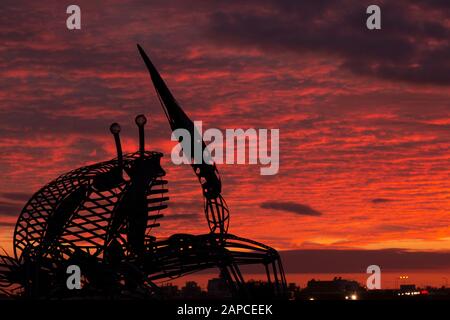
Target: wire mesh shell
{"points": [[86, 220]]}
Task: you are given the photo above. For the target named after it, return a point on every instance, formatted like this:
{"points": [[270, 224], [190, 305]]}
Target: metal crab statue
{"points": [[100, 218]]}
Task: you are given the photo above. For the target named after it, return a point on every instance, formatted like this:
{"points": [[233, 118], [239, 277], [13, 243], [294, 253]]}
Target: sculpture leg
{"points": [[183, 254]]}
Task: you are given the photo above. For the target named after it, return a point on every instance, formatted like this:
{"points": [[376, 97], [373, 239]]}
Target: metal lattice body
{"points": [[88, 206]]}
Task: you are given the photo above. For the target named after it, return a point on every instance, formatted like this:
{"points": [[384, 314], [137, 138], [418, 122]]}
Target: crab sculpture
{"points": [[100, 217]]}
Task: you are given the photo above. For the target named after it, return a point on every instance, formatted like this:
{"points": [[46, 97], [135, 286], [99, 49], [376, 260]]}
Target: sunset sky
{"points": [[364, 116]]}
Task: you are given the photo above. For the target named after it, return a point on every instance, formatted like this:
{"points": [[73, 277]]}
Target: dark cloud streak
{"points": [[9, 209], [294, 207], [318, 261], [381, 200], [399, 51], [15, 196]]}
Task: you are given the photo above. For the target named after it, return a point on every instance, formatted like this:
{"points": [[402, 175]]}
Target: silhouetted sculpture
{"points": [[100, 218]]}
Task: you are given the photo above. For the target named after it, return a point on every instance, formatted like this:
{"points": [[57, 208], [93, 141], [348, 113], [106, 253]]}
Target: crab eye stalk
{"points": [[115, 130], [141, 120]]}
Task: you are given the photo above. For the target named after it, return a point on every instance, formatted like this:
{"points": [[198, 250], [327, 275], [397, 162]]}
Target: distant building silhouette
{"points": [[217, 288], [191, 290], [170, 291], [407, 287], [293, 291], [337, 288]]}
